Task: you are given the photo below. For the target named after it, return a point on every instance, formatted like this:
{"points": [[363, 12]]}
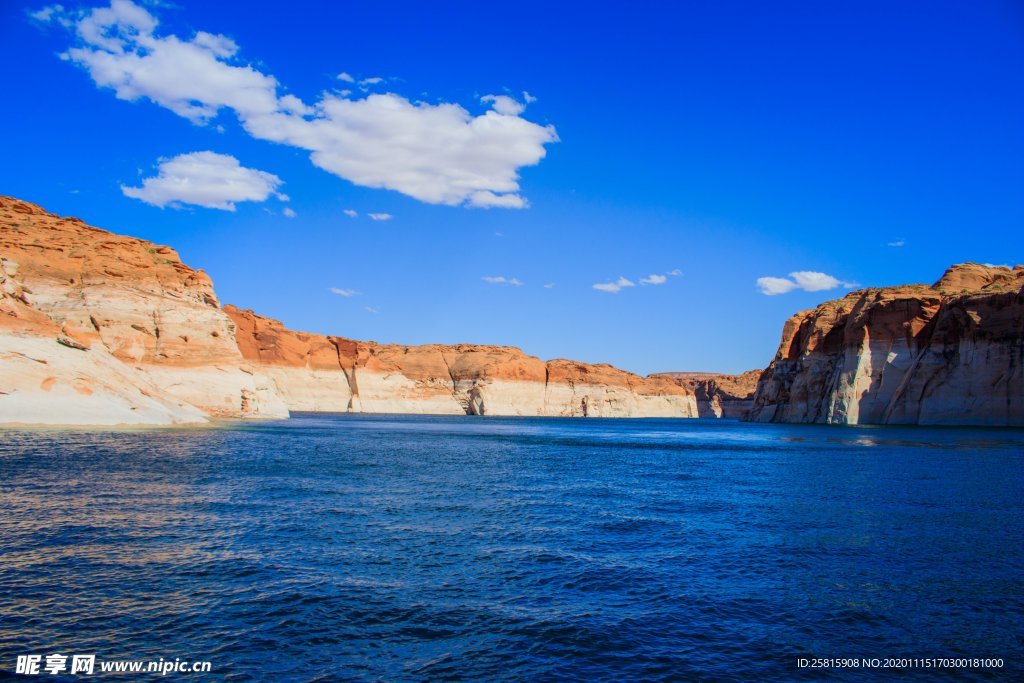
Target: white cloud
{"points": [[614, 287], [770, 286], [343, 292], [351, 213], [812, 281], [502, 280], [48, 14], [371, 309], [676, 272], [371, 81], [550, 285], [289, 213], [897, 243], [503, 104], [485, 199], [343, 76], [436, 153], [654, 279], [215, 181], [807, 280], [528, 98], [380, 216]]}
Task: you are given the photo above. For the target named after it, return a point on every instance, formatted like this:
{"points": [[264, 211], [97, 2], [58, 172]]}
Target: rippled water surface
{"points": [[429, 548]]}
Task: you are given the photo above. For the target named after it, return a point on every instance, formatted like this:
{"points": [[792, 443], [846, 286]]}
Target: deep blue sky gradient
{"points": [[730, 140]]}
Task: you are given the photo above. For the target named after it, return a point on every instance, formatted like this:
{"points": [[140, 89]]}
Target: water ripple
{"points": [[390, 548]]}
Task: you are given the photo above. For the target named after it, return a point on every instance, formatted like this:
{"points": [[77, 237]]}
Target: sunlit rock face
{"points": [[949, 353], [140, 321], [316, 372], [106, 329]]}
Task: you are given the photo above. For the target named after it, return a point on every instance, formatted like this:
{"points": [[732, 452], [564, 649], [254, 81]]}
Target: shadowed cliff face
{"points": [[951, 353], [324, 373], [718, 395]]}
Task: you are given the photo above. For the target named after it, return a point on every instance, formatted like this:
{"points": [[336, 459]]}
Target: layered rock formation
{"points": [[718, 395], [949, 353], [315, 372], [116, 330], [97, 328]]}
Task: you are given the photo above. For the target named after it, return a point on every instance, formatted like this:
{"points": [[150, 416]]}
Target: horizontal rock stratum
{"points": [[950, 353], [103, 329], [314, 372], [99, 328]]}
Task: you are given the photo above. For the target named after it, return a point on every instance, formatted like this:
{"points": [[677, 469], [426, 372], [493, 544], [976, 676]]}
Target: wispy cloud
{"points": [[807, 280], [436, 153], [371, 309], [351, 213], [207, 179], [343, 292], [289, 213], [618, 285], [502, 280], [614, 287], [549, 285], [897, 243], [380, 216]]}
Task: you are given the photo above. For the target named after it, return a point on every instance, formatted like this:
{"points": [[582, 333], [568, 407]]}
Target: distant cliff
{"points": [[97, 328], [321, 373], [718, 395], [949, 353]]}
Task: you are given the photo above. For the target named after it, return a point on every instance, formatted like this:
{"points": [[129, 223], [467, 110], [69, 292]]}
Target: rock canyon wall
{"points": [[949, 353], [718, 395], [102, 329], [103, 320], [315, 372], [97, 328]]}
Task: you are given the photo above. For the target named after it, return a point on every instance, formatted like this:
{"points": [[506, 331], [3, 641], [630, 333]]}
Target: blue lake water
{"points": [[351, 547]]}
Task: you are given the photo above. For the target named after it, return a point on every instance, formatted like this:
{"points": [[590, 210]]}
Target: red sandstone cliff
{"points": [[316, 372], [949, 353], [718, 395], [139, 323], [97, 328]]}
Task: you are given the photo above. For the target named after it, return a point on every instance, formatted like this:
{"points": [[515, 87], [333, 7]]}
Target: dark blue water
{"points": [[428, 548]]}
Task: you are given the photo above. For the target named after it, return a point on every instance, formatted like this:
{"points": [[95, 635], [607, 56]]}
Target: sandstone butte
{"points": [[103, 329], [949, 353]]}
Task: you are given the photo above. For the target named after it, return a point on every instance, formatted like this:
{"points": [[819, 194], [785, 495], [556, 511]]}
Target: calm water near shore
{"points": [[353, 547]]}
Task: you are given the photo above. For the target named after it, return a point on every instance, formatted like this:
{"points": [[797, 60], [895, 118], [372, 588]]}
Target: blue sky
{"points": [[725, 141]]}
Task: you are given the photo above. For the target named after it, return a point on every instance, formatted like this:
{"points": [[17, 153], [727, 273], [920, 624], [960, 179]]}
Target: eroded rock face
{"points": [[97, 328], [950, 353], [718, 395], [316, 372], [140, 321]]}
